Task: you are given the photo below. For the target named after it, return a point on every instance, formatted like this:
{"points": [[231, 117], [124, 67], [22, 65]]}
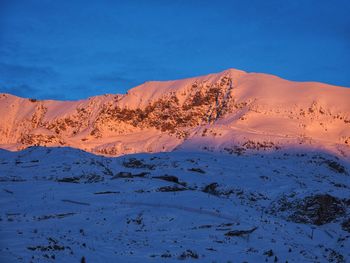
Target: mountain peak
{"points": [[225, 111]]}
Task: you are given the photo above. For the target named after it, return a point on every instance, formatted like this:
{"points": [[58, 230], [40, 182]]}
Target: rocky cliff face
{"points": [[231, 111]]}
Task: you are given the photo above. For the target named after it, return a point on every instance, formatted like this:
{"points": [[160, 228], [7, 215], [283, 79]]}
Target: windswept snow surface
{"points": [[62, 204]]}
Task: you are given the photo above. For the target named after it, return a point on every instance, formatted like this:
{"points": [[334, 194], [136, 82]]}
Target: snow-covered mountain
{"points": [[232, 111], [229, 167]]}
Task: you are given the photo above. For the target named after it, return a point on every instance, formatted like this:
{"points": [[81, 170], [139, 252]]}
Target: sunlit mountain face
{"points": [[232, 111], [228, 167]]}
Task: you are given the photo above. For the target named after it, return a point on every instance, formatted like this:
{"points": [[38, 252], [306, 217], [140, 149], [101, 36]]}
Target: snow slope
{"points": [[231, 111], [229, 167], [62, 204]]}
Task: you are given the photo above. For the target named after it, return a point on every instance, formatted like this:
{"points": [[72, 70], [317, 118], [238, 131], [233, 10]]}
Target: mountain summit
{"points": [[232, 111], [278, 193]]}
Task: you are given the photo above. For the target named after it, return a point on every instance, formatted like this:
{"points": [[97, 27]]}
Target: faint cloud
{"points": [[20, 90], [27, 91], [19, 73], [28, 81], [112, 78]]}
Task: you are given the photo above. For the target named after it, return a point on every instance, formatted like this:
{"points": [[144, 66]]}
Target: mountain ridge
{"points": [[231, 111]]}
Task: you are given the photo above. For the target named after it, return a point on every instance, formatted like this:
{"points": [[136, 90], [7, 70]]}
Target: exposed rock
{"points": [[173, 188], [238, 233], [211, 188], [189, 254], [346, 225], [139, 164], [197, 170], [317, 209]]}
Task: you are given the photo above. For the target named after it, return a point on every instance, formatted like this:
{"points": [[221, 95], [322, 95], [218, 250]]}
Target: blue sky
{"points": [[75, 49]]}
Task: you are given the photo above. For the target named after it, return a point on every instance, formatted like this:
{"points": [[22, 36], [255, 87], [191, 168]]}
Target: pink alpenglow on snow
{"points": [[231, 111], [233, 165]]}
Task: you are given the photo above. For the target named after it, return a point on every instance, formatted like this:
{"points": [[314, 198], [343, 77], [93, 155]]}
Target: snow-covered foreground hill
{"points": [[62, 204]]}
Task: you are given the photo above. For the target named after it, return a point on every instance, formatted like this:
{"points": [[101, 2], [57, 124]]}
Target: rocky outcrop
{"points": [[233, 111], [317, 209]]}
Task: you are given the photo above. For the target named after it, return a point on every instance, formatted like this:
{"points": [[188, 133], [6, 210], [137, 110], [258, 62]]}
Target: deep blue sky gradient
{"points": [[75, 49]]}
